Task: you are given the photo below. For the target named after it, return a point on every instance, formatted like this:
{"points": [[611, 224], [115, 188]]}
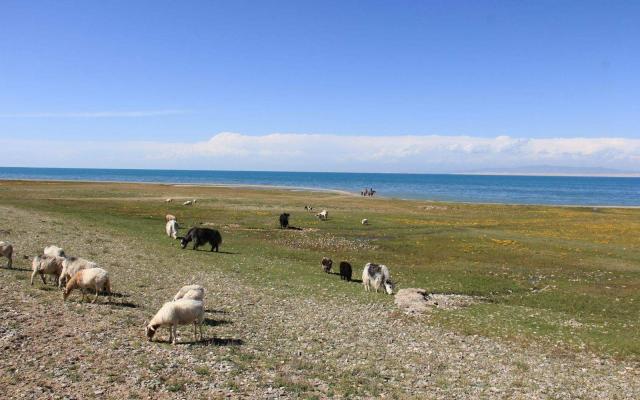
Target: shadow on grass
{"points": [[216, 322], [217, 342], [352, 280], [219, 252], [124, 304], [214, 341], [216, 311], [119, 295]]}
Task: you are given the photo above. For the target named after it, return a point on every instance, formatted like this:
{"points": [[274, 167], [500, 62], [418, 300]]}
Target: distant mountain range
{"points": [[554, 170]]}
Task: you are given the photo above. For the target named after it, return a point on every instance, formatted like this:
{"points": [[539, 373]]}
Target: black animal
{"points": [[326, 264], [284, 221], [201, 236], [345, 271]]}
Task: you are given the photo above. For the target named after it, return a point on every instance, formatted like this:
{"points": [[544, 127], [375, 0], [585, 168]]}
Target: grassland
{"points": [[559, 282]]}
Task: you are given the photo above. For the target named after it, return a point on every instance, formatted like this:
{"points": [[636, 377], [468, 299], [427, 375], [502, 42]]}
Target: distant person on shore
{"points": [[367, 192]]}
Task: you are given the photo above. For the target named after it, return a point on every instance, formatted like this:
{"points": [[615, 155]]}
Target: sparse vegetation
{"points": [[560, 288]]}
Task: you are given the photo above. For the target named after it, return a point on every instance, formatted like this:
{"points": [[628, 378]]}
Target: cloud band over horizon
{"points": [[316, 152]]}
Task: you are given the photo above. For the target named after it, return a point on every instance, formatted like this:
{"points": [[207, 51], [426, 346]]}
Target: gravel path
{"points": [[261, 343]]}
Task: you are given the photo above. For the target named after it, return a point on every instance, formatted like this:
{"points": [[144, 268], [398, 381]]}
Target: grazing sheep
{"points": [[365, 221], [54, 251], [376, 275], [71, 266], [308, 208], [200, 236], [284, 221], [46, 264], [93, 278], [174, 313], [172, 229], [326, 264], [169, 200], [187, 203], [345, 271], [169, 217], [193, 292], [324, 214], [6, 250]]}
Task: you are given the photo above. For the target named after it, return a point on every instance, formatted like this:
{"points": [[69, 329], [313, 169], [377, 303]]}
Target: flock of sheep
{"points": [[187, 306], [78, 273]]}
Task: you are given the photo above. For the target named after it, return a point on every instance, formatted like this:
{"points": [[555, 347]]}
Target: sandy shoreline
{"points": [[310, 189]]}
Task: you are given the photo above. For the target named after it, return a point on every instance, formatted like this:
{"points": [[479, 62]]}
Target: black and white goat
{"points": [[377, 275]]}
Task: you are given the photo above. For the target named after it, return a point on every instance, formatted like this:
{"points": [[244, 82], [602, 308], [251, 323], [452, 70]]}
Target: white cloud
{"points": [[98, 114], [314, 152]]}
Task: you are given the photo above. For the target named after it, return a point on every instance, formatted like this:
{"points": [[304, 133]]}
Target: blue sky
{"points": [[183, 72]]}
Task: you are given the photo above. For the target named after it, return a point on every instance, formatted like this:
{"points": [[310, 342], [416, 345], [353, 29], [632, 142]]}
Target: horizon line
{"points": [[621, 174]]}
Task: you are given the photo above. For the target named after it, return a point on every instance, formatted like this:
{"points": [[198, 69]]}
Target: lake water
{"points": [[461, 188]]}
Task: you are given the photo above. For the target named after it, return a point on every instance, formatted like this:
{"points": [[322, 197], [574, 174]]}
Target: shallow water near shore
{"points": [[548, 190]]}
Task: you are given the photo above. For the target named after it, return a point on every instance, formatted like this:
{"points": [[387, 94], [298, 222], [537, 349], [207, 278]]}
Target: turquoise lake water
{"points": [[462, 188]]}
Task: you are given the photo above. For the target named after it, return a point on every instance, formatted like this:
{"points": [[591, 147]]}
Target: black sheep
{"points": [[201, 236], [345, 271], [284, 221], [326, 264]]}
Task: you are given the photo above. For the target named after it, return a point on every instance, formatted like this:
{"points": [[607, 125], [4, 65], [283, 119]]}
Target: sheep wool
{"points": [[174, 313]]}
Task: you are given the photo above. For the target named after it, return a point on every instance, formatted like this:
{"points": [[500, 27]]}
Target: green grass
{"points": [[175, 387], [559, 275]]}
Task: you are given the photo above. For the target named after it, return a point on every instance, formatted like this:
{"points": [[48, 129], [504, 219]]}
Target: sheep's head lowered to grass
{"points": [[149, 331]]}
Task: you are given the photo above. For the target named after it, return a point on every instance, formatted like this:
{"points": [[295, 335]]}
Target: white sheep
{"points": [[324, 214], [92, 278], [169, 200], [193, 292], [172, 228], [71, 266], [6, 250], [187, 203], [174, 313], [54, 251], [365, 221], [46, 264], [376, 275]]}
